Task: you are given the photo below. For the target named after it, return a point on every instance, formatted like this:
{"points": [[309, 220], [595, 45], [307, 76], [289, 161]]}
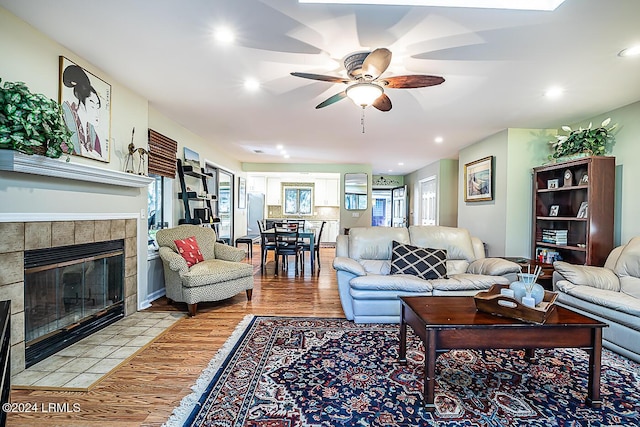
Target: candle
{"points": [[528, 301], [507, 292]]}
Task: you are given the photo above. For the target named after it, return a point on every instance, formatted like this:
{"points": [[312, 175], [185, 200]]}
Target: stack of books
{"points": [[556, 237]]}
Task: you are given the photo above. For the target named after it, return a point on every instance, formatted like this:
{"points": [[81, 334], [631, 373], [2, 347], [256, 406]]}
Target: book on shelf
{"points": [[556, 237]]}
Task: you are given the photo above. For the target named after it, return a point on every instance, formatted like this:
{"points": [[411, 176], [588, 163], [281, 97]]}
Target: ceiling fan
{"points": [[365, 85]]}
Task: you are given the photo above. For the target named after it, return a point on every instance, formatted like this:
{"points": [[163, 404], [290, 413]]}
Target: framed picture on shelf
{"points": [[192, 158], [242, 193], [553, 183], [584, 180], [478, 178], [553, 211], [583, 211]]}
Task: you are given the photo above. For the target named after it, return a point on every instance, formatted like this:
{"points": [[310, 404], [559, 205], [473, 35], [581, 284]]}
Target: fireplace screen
{"points": [[67, 288]]}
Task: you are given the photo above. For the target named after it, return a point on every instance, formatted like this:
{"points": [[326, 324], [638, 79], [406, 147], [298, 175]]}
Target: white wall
{"points": [[446, 173], [32, 58], [486, 219], [526, 149], [627, 153], [209, 152], [504, 223]]}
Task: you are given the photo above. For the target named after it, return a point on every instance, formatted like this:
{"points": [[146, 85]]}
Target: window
{"points": [[297, 200], [155, 208]]}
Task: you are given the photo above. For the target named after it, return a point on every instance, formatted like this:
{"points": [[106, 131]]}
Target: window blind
{"points": [[162, 155]]}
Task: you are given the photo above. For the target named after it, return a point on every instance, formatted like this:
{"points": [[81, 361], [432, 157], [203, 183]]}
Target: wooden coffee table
{"points": [[447, 323]]}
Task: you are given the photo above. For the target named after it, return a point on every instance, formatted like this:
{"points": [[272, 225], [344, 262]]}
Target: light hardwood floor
{"points": [[145, 391]]}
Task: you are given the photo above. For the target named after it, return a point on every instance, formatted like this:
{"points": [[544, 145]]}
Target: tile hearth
{"points": [[83, 364]]}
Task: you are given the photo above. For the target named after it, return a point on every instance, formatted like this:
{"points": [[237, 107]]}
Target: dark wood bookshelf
{"points": [[589, 238]]}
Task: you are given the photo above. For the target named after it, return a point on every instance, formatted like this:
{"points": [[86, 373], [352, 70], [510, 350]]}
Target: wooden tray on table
{"points": [[493, 302]]}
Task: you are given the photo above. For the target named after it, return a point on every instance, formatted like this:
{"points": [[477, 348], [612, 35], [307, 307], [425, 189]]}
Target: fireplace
{"points": [[57, 230], [69, 293]]}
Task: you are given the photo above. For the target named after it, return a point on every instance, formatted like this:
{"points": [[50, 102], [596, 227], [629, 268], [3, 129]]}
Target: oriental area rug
{"points": [[286, 371]]}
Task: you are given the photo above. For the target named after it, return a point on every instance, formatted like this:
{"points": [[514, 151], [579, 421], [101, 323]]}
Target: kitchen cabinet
{"points": [[573, 210], [327, 192], [274, 191], [330, 231], [257, 184]]}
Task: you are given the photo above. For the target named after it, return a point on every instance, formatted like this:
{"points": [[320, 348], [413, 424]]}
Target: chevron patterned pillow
{"points": [[426, 263]]}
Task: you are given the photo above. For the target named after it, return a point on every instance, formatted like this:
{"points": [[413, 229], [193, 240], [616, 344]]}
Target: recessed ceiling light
{"points": [[630, 51], [488, 4], [400, 164], [286, 156], [224, 35], [279, 146], [390, 170], [438, 139], [251, 84], [554, 92]]}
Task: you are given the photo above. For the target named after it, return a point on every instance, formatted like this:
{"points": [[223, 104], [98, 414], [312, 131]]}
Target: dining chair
{"points": [[306, 247], [267, 243], [301, 223], [287, 244]]}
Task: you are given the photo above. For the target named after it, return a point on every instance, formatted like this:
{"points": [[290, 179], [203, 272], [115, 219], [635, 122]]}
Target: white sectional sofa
{"points": [[369, 293], [610, 294]]}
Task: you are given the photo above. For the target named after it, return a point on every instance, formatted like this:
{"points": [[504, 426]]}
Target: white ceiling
{"points": [[497, 65]]}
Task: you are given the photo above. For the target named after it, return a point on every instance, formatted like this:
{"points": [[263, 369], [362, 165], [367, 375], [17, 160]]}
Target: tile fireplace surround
{"points": [[16, 237]]}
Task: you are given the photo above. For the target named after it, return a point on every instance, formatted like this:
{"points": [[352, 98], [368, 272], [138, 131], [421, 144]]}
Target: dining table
{"points": [[303, 233]]}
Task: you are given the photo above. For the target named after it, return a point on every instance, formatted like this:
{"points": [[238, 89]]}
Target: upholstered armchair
{"points": [[207, 271]]}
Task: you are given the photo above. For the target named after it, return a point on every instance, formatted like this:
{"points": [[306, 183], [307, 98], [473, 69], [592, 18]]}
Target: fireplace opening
{"points": [[70, 292]]}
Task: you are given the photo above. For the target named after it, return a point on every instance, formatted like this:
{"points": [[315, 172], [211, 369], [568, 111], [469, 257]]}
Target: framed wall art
{"points": [[478, 179], [242, 193], [86, 106]]}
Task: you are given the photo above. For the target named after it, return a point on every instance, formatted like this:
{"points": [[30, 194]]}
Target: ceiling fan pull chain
{"points": [[362, 119]]}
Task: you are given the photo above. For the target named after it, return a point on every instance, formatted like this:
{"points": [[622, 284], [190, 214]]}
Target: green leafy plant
{"points": [[32, 123], [592, 141]]}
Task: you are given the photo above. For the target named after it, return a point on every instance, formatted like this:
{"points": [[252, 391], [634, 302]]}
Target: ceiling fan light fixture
{"points": [[364, 94]]}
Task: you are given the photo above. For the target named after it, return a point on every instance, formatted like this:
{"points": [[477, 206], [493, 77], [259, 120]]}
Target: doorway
{"points": [[222, 181], [381, 209], [399, 198]]}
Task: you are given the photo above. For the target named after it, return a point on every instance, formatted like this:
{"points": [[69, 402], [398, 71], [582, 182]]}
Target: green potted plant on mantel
{"points": [[32, 123], [590, 141]]}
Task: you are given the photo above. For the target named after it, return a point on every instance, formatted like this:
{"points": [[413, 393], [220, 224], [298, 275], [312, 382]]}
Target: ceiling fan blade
{"points": [[376, 63], [321, 77], [382, 103], [335, 98], [413, 81]]}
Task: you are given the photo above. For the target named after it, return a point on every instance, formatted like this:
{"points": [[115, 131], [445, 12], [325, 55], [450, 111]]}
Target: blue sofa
{"points": [[370, 294]]}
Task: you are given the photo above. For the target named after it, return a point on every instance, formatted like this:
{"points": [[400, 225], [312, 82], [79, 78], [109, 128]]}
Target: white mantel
{"points": [[14, 161]]}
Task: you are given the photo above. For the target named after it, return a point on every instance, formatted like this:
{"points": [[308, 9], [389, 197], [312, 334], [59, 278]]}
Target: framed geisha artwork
{"points": [[86, 105]]}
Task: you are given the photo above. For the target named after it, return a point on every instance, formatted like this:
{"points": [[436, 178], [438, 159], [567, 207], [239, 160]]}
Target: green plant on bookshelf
{"points": [[592, 141], [31, 123]]}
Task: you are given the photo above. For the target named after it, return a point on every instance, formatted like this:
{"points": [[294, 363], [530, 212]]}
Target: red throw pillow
{"points": [[189, 250]]}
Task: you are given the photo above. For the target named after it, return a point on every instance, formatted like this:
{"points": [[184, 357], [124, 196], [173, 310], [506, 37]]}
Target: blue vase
{"points": [[519, 289]]}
